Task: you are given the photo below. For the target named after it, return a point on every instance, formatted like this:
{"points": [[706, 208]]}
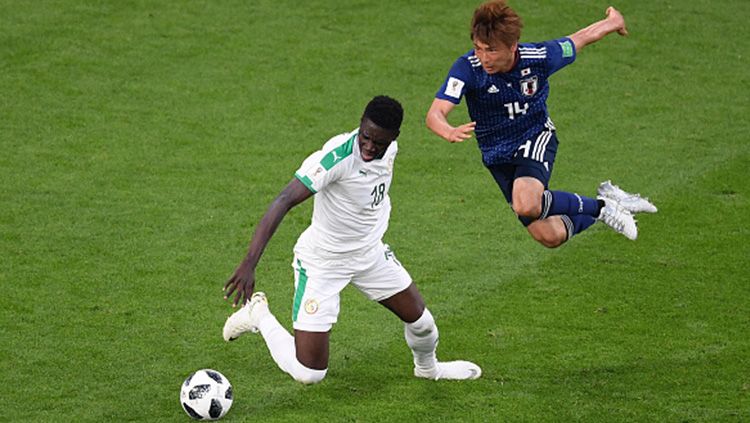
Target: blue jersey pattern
{"points": [[509, 108]]}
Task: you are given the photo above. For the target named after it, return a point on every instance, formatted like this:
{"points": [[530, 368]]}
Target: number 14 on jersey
{"points": [[516, 109]]}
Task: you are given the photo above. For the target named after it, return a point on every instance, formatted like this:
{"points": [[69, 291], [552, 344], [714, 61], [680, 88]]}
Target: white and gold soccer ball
{"points": [[206, 395]]}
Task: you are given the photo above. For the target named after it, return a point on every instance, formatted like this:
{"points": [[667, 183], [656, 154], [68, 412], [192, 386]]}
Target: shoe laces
{"points": [[615, 216]]}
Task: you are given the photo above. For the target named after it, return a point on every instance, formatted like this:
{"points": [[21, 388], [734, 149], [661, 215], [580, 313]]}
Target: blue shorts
{"points": [[534, 158]]}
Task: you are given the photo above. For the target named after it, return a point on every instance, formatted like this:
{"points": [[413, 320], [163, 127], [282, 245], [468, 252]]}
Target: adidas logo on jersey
{"points": [[493, 89]]}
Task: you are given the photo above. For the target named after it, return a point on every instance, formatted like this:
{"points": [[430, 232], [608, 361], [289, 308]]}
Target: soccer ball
{"points": [[206, 395]]}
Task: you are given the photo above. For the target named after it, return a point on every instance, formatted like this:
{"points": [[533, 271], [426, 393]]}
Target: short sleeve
{"points": [[460, 78], [560, 53], [327, 165]]}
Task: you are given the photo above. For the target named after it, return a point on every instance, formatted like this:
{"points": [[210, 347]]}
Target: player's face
{"points": [[496, 57], [373, 140]]}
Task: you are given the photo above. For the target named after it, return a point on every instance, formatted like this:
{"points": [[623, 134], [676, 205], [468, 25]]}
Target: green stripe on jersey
{"points": [[306, 181], [338, 153], [300, 291]]}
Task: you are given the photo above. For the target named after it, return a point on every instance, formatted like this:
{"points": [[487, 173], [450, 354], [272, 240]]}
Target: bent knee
{"points": [[527, 208], [550, 242], [527, 197], [547, 236], [307, 376]]}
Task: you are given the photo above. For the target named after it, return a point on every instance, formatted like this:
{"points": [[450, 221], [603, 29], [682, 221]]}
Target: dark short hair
{"points": [[385, 112], [494, 21]]}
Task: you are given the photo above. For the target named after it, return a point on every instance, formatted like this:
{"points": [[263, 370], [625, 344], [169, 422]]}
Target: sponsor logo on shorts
{"points": [[311, 306]]}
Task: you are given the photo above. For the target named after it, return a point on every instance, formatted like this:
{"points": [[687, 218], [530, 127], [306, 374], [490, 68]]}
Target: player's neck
{"points": [[512, 65]]}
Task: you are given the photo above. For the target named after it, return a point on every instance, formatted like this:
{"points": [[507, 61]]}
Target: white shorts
{"points": [[319, 278]]}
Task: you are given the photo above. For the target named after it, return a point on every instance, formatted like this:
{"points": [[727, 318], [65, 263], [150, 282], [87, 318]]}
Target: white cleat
{"points": [[633, 203], [247, 318], [618, 218], [450, 370]]}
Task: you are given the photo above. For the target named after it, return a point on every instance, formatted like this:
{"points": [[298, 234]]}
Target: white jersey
{"points": [[351, 204]]}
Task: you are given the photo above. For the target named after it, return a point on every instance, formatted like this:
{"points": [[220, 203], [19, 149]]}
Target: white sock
{"points": [[281, 345], [422, 338]]}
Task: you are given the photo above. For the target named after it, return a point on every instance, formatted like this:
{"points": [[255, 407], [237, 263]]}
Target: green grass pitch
{"points": [[141, 141]]}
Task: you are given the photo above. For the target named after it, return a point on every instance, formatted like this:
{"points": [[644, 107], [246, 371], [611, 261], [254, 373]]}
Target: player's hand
{"points": [[242, 284], [615, 18], [462, 133]]}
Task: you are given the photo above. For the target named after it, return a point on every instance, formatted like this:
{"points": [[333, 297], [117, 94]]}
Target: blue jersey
{"points": [[509, 108]]}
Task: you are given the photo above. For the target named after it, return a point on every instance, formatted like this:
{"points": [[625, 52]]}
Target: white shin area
{"points": [[422, 338], [281, 345]]}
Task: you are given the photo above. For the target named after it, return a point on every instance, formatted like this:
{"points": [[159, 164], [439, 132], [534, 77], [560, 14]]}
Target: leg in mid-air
{"points": [[303, 356], [555, 216], [526, 202], [421, 335]]}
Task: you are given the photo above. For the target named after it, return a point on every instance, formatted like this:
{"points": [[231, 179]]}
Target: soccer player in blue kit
{"points": [[506, 89]]}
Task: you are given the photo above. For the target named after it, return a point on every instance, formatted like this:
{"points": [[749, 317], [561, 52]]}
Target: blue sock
{"points": [[571, 204], [577, 224]]}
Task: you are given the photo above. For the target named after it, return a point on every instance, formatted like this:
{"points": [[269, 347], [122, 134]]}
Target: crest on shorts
{"points": [[529, 86], [311, 306]]}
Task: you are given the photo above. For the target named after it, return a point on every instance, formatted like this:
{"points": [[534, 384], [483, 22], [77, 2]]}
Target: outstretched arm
{"points": [[243, 279], [614, 22], [437, 121]]}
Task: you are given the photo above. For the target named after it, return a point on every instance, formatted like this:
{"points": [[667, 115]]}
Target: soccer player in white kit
{"points": [[350, 178]]}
